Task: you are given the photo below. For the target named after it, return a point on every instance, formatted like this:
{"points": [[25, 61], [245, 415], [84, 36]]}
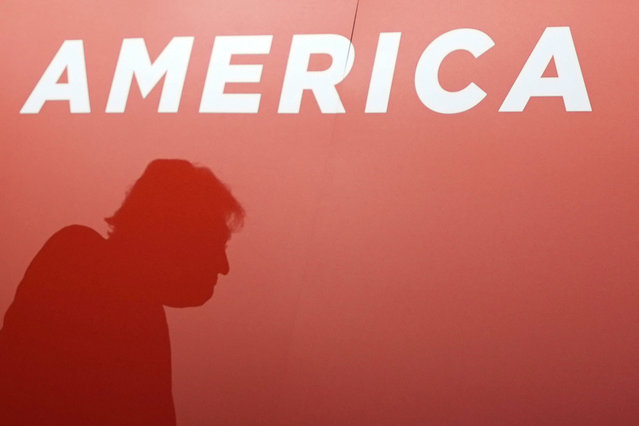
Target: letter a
{"points": [[70, 57], [557, 43]]}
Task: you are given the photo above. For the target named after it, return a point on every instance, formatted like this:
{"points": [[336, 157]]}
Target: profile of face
{"points": [[174, 226], [185, 265]]}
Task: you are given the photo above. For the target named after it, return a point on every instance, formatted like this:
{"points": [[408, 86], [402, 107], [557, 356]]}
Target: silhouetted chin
{"points": [[191, 298]]}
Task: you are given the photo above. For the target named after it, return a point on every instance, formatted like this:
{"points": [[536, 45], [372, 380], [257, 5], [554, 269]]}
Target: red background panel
{"points": [[398, 268]]}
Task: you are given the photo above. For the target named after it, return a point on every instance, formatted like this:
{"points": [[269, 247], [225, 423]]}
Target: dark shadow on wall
{"points": [[85, 341]]}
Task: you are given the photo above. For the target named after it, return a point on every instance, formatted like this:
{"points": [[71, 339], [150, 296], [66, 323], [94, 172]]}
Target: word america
{"points": [[555, 43]]}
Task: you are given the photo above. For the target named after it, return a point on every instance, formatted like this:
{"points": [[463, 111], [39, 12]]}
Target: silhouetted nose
{"points": [[224, 264]]}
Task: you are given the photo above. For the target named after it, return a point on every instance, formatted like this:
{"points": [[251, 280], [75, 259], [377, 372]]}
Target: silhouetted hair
{"points": [[175, 193]]}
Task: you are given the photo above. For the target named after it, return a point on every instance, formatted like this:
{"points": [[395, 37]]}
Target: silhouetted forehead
{"points": [[213, 230]]}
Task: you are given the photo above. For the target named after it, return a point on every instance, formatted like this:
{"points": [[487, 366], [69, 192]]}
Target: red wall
{"points": [[398, 268]]}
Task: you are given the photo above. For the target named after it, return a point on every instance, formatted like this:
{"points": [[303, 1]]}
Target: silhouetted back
{"points": [[74, 351]]}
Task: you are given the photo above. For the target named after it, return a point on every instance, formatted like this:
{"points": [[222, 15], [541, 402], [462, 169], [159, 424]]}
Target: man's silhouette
{"points": [[85, 342]]}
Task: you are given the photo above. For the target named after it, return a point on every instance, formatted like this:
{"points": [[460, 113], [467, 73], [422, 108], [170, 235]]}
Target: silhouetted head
{"points": [[174, 225]]}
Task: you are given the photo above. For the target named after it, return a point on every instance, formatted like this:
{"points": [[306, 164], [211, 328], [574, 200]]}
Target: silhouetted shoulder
{"points": [[64, 266], [78, 233], [70, 243]]}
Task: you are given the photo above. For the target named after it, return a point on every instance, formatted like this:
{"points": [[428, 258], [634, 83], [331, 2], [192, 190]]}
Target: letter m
{"points": [[134, 61]]}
